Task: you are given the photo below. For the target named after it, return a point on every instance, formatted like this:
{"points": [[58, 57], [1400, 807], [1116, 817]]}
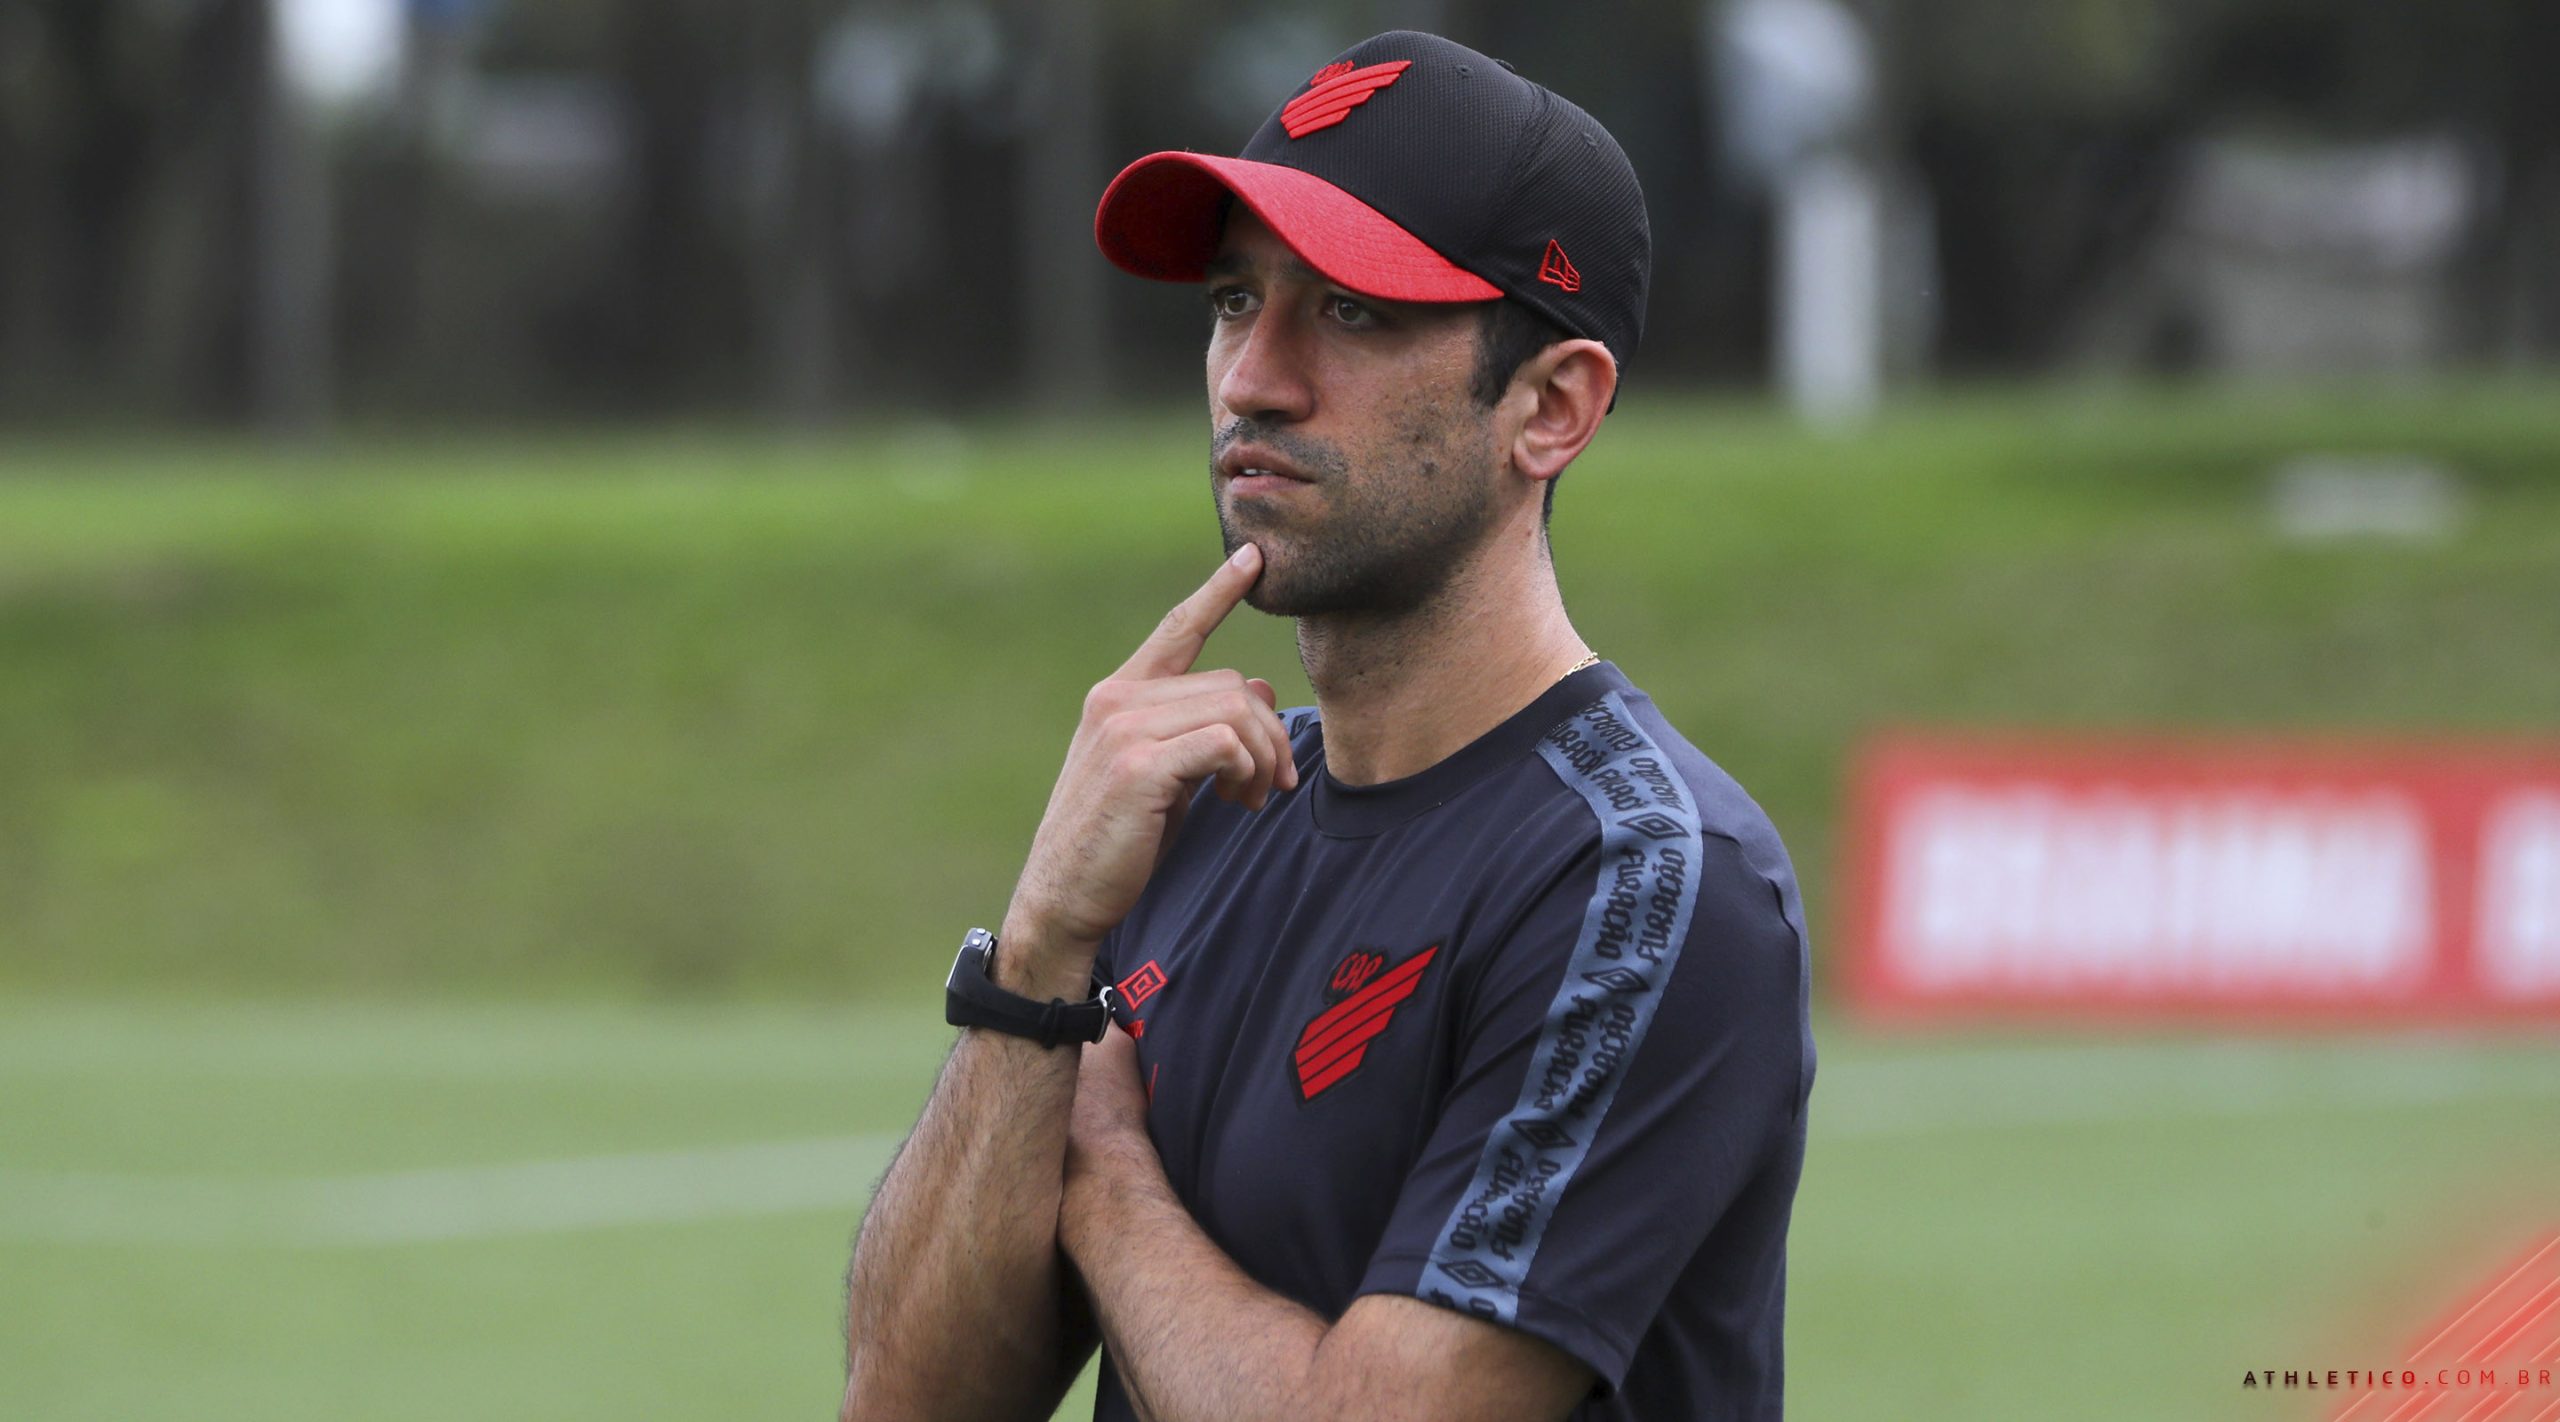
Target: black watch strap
{"points": [[972, 999]]}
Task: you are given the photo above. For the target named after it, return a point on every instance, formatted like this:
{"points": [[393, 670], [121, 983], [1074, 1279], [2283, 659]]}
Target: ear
{"points": [[1560, 395]]}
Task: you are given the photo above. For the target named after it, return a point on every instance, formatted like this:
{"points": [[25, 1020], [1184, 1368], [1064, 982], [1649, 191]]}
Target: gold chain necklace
{"points": [[1590, 661]]}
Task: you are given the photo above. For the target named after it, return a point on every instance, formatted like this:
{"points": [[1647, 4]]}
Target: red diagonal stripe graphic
{"points": [[1330, 114], [1333, 1020], [2482, 1301], [1361, 80], [1326, 1030], [1316, 106], [2514, 1327], [1305, 124], [1333, 99], [1350, 1038], [1358, 81], [2476, 1415], [2519, 1320], [2493, 1339], [1326, 103], [1377, 987], [2403, 1414], [1349, 1041], [1336, 1042], [1312, 1086]]}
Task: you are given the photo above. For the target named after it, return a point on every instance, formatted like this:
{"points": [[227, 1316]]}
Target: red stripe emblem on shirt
{"points": [[1332, 1046]]}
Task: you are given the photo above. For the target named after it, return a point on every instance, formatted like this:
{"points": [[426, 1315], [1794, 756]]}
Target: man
{"points": [[1460, 1060]]}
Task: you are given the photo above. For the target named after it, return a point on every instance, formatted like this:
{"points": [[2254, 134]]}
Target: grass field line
{"points": [[444, 1204], [1868, 1097]]}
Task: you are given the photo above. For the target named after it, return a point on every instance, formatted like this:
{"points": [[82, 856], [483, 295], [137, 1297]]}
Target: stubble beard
{"points": [[1382, 541]]}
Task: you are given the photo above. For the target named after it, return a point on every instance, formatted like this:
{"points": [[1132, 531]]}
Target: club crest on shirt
{"points": [[1362, 995]]}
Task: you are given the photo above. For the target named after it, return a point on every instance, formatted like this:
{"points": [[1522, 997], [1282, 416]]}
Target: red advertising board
{"points": [[2349, 881]]}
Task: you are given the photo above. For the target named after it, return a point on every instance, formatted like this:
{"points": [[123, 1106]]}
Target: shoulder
{"points": [[1691, 878], [1641, 782]]}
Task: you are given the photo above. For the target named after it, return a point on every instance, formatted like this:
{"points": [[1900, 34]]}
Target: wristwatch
{"points": [[972, 999]]}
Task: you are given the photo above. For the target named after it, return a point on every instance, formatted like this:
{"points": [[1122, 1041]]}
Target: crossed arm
{"points": [[960, 1306], [960, 1302], [957, 1303], [1196, 1339]]}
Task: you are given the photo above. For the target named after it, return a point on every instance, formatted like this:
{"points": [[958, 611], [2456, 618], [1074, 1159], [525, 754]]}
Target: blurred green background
{"points": [[549, 554], [472, 912], [698, 714]]}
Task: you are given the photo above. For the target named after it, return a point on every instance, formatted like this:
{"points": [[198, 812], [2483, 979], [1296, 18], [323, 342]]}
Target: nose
{"points": [[1261, 371]]}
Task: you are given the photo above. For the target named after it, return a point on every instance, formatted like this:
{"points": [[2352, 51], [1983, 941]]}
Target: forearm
{"points": [[1195, 1339], [955, 1306], [953, 1296]]}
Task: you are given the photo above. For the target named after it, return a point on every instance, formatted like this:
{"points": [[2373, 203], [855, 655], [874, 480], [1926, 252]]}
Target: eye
{"points": [[1350, 312], [1228, 302]]}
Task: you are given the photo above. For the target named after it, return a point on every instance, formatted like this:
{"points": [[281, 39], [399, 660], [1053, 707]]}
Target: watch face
{"points": [[975, 958]]}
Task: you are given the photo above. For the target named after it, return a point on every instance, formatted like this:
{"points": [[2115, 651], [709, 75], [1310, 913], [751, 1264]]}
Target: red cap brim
{"points": [[1160, 219]]}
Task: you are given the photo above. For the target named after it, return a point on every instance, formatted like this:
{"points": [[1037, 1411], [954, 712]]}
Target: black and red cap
{"points": [[1412, 168]]}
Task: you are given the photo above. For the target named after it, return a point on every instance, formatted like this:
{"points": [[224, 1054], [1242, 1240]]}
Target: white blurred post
{"points": [[1796, 89], [293, 266], [1829, 289]]}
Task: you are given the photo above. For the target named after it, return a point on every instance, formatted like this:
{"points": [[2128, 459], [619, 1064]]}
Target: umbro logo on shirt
{"points": [[1134, 990], [1365, 993]]}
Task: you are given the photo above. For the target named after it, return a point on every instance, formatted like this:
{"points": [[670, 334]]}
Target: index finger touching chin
{"points": [[1175, 644]]}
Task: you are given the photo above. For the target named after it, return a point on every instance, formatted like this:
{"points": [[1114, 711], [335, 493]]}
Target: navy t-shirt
{"points": [[1523, 1034]]}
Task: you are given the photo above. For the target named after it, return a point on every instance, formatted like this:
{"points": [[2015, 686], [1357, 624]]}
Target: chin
{"points": [[1276, 592], [1270, 591]]}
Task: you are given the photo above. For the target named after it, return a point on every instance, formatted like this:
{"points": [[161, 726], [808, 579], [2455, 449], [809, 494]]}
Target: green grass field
{"points": [[563, 1213], [471, 912]]}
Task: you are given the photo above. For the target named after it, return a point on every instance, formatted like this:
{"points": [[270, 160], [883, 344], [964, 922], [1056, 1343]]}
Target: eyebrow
{"points": [[1233, 264]]}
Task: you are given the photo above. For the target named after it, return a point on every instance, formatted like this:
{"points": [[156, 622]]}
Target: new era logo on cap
{"points": [[1555, 270]]}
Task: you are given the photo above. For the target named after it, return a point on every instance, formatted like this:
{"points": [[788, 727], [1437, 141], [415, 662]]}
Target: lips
{"points": [[1258, 466]]}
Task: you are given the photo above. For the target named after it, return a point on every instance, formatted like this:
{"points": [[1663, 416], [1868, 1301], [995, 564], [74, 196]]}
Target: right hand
{"points": [[1150, 733]]}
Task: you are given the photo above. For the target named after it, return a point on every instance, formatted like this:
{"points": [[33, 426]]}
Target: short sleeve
{"points": [[1632, 1055]]}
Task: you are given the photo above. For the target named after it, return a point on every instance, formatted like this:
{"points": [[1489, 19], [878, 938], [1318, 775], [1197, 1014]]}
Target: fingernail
{"points": [[1244, 554]]}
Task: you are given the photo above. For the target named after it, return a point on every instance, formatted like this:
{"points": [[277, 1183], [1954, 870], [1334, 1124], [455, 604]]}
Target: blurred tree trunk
{"points": [[227, 59], [671, 60], [1061, 177], [401, 203], [103, 164], [21, 194], [2525, 246], [294, 272], [795, 286]]}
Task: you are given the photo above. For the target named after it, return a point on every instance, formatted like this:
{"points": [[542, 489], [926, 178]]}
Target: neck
{"points": [[1400, 694]]}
